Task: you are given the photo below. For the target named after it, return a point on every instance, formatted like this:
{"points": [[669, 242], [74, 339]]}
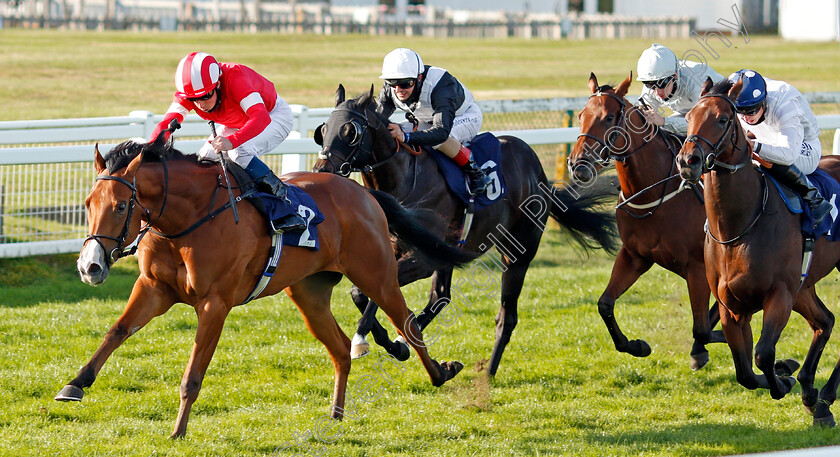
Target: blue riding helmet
{"points": [[754, 91]]}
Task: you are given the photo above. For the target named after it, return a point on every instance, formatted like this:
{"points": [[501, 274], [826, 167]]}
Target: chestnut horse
{"points": [[754, 251], [659, 220], [356, 138], [214, 266]]}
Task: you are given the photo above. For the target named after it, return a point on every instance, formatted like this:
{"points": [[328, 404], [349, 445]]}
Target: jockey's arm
{"points": [[175, 111], [445, 98], [784, 148], [258, 120]]}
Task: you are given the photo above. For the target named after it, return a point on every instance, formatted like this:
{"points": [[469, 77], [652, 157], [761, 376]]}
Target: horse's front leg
{"points": [[146, 301], [628, 267], [777, 307], [212, 313], [705, 317], [439, 296], [738, 334]]}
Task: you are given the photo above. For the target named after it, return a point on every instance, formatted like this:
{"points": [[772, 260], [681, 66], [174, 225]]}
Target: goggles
{"points": [[400, 83], [204, 97], [750, 110], [659, 84]]}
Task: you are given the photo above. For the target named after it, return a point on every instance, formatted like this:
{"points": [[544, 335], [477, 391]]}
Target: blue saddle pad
{"points": [[304, 206], [487, 153], [829, 188]]}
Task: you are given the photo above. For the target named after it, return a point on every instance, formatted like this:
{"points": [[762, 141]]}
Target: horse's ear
{"points": [[339, 95], [134, 165], [736, 89], [98, 160], [707, 85], [319, 134], [621, 90], [593, 83], [371, 91]]}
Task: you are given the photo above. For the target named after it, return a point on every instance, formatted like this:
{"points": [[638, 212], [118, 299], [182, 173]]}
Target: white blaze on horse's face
{"points": [[93, 269]]}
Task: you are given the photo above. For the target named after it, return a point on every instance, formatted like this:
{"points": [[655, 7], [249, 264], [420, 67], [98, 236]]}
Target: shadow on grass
{"points": [[32, 280]]}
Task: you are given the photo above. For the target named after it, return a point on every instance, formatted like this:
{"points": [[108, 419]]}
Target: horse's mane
{"points": [[363, 103], [721, 88], [125, 152]]}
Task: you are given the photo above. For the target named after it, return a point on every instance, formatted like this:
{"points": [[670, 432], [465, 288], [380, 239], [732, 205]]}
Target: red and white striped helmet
{"points": [[197, 75]]}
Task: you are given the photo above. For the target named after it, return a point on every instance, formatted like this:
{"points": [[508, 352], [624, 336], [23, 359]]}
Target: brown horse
{"points": [[155, 185], [658, 222], [356, 138], [754, 250]]}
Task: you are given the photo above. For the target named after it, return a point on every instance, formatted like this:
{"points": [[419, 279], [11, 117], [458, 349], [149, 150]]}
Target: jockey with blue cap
{"points": [[783, 130]]}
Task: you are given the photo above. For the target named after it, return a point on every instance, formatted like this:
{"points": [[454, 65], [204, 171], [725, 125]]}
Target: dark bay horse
{"points": [[659, 220], [754, 253], [356, 138], [155, 186]]}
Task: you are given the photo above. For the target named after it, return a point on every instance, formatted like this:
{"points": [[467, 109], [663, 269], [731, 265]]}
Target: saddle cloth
{"points": [[274, 208], [487, 153], [830, 189], [304, 206]]}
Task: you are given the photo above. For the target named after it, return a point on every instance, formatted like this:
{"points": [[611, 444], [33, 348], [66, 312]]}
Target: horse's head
{"points": [[714, 133], [602, 130], [112, 220], [349, 137]]}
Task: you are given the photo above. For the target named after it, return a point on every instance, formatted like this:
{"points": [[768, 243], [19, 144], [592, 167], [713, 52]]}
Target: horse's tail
{"points": [[583, 212], [405, 224]]}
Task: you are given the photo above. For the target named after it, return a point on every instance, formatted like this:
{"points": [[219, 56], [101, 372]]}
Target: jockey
{"points": [[784, 131], [252, 118], [444, 110], [673, 83]]}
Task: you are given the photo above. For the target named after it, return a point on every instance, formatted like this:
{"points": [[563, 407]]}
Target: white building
{"points": [[820, 21]]}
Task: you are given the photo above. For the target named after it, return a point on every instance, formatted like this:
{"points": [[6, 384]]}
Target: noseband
{"points": [[119, 251], [361, 142], [710, 160]]}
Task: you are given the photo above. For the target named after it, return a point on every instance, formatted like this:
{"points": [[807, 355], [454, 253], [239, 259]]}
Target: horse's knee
{"points": [[606, 308], [764, 359], [357, 296], [189, 389]]}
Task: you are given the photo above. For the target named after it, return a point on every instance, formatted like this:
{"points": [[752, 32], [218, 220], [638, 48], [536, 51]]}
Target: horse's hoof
{"points": [[403, 352], [638, 348], [788, 382], [827, 421], [359, 347], [70, 393], [785, 367], [699, 360], [450, 369]]}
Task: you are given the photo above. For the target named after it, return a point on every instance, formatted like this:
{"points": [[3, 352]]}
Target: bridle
{"points": [[362, 142], [606, 153], [120, 251], [710, 160]]}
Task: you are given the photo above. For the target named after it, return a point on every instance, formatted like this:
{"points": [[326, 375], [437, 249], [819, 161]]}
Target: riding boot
{"points": [[268, 182], [795, 179], [478, 179]]}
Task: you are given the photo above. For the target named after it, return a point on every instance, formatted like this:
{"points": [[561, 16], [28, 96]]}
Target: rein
{"points": [[606, 155], [761, 212]]}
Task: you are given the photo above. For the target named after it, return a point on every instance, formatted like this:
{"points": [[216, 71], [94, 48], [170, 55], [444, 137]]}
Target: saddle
{"points": [[487, 153]]}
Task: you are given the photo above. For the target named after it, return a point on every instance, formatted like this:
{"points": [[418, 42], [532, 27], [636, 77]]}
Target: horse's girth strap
{"points": [[270, 267]]}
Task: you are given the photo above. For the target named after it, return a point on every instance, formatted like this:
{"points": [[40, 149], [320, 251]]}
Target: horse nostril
{"points": [[94, 269]]}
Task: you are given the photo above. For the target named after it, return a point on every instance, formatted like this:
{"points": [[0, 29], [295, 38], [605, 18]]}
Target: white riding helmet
{"points": [[655, 63], [401, 63]]}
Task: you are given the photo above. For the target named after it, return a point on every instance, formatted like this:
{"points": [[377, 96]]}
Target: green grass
{"points": [[561, 389]]}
